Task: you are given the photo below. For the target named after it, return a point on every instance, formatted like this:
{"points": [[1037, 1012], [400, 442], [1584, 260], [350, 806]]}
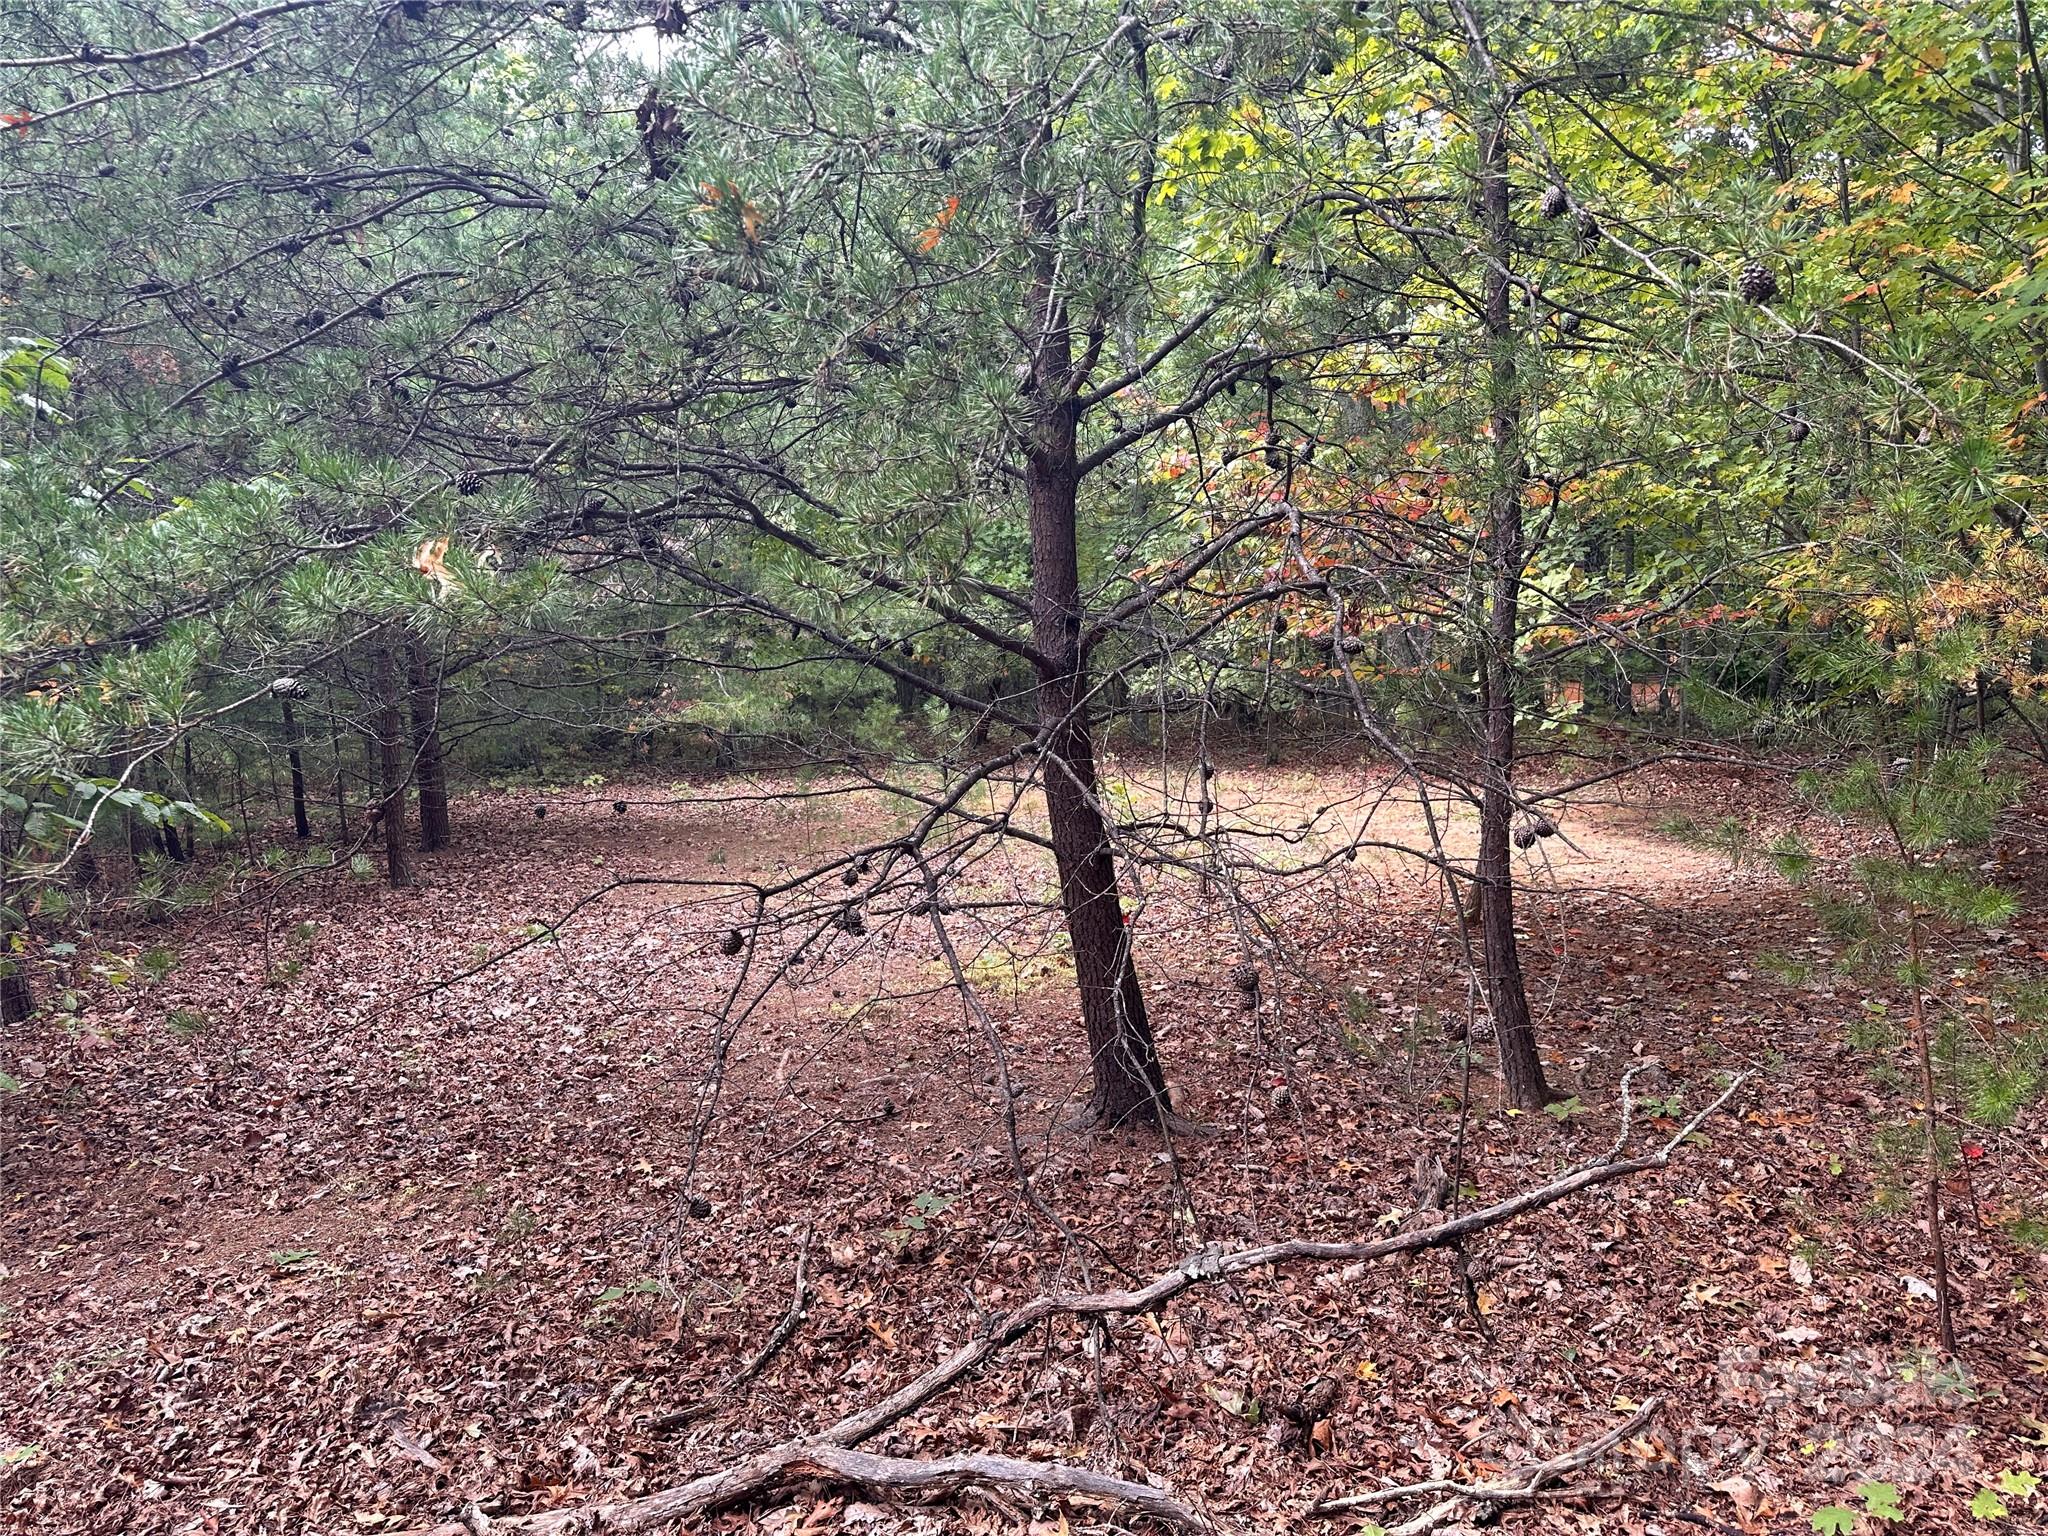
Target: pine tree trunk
{"points": [[391, 768], [17, 992], [302, 828], [1506, 548], [1128, 1082], [430, 772]]}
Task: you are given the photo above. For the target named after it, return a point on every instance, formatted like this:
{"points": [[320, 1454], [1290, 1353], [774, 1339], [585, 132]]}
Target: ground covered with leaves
{"points": [[305, 1229]]}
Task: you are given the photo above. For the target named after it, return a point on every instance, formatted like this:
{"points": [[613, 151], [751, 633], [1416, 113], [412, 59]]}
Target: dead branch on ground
{"points": [[1526, 1482], [828, 1454]]}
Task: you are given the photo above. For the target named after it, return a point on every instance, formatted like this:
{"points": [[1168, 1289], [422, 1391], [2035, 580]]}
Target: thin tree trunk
{"points": [[1128, 1082], [17, 992], [1507, 997], [430, 773], [1937, 1239], [391, 768], [179, 848], [340, 771], [133, 831], [295, 761]]}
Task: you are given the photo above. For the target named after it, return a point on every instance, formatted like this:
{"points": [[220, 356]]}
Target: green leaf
{"points": [[1834, 1520], [1988, 1505], [2019, 1482], [1880, 1500]]}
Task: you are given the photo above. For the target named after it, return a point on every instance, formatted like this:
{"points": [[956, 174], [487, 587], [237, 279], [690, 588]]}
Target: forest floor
{"points": [[297, 1239]]}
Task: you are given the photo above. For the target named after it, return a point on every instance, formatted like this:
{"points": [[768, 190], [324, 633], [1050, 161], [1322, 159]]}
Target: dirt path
{"points": [[291, 1244]]}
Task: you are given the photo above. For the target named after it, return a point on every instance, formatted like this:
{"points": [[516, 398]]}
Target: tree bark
{"points": [[1506, 550], [1128, 1082], [391, 768], [430, 772]]}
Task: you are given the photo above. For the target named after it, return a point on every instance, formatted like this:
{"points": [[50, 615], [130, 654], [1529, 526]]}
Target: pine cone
{"points": [[1758, 283], [470, 483], [850, 921], [1245, 977], [1554, 202], [540, 812], [1543, 826], [734, 942], [1796, 430], [618, 807]]}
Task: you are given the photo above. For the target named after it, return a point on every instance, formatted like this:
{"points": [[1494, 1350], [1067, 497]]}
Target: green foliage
{"points": [[1880, 1501], [185, 1023]]}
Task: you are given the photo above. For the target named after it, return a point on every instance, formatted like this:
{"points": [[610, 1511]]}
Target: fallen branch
{"points": [[785, 1330], [817, 1455], [807, 1463], [799, 1303], [1527, 1482]]}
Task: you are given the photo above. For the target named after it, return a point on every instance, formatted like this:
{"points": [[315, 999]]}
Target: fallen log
{"points": [[821, 1456]]}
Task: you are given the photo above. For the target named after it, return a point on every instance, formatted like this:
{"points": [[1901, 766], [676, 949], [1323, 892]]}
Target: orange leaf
{"points": [[430, 560], [937, 227]]}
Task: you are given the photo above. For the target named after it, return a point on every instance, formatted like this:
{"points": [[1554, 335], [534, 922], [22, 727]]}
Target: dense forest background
{"points": [[672, 668]]}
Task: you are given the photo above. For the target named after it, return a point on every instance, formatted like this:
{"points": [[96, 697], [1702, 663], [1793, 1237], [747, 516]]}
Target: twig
{"points": [[1528, 1482], [799, 1306]]}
